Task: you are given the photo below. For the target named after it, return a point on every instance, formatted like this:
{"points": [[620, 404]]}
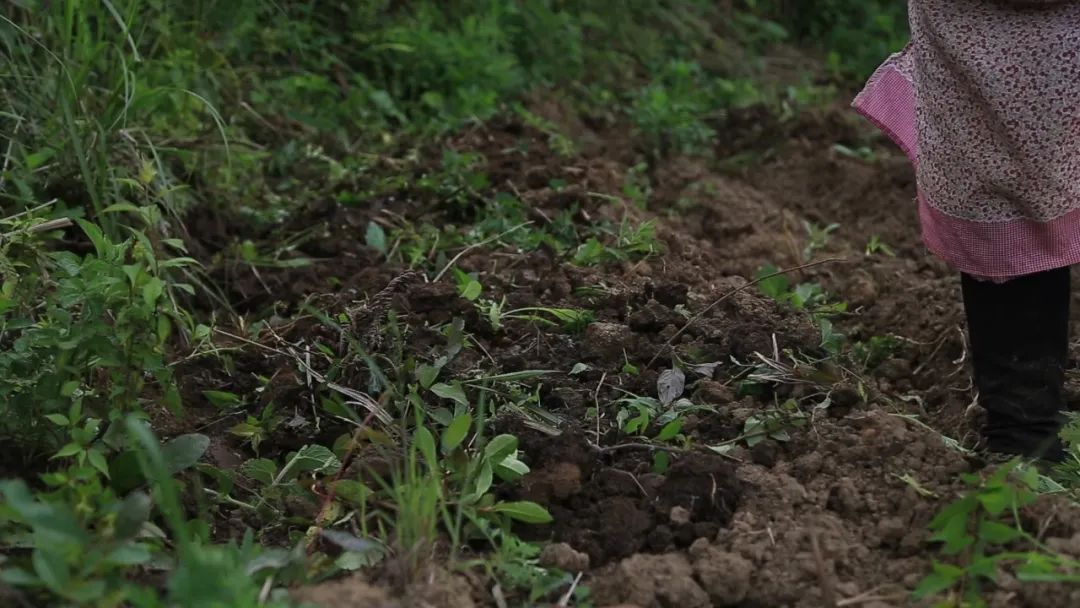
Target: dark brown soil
{"points": [[837, 514]]}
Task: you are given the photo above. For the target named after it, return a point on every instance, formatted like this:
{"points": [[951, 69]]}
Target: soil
{"points": [[838, 513]]}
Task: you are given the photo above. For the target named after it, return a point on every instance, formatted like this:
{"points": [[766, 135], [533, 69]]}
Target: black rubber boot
{"points": [[1019, 332]]}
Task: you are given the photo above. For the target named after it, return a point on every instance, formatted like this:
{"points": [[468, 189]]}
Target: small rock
{"points": [[680, 515], [564, 557]]}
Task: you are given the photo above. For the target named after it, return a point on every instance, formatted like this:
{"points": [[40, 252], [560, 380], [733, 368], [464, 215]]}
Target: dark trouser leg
{"points": [[1019, 334]]}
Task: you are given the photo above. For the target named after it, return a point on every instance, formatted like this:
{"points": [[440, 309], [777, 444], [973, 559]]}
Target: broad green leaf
{"points": [[376, 237], [512, 469], [453, 392], [670, 430], [18, 577], [68, 450], [97, 460], [943, 577], [456, 432], [500, 447], [153, 290], [184, 451], [262, 470], [134, 512], [101, 245], [524, 511], [998, 533], [125, 474], [427, 374], [130, 555], [315, 458], [53, 524], [995, 501], [955, 536], [69, 388], [58, 419], [472, 291], [352, 491], [51, 569]]}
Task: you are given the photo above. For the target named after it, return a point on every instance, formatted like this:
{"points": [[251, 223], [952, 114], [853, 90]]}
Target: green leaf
{"points": [[484, 479], [424, 441], [184, 451], [101, 245], [352, 491], [955, 536], [68, 450], [125, 474], [427, 374], [472, 290], [995, 501], [53, 524], [129, 555], [661, 462], [500, 447], [579, 368], [512, 469], [51, 569], [262, 470], [453, 392], [998, 533], [670, 430], [315, 458], [97, 460], [456, 432], [134, 512], [943, 577], [376, 237], [18, 577], [58, 419], [69, 388], [524, 511], [223, 399], [153, 290]]}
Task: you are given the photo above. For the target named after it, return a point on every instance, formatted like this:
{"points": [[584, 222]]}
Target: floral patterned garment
{"points": [[985, 101]]}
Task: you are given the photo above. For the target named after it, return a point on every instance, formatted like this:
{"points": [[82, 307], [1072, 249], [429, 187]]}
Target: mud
{"points": [[838, 514]]}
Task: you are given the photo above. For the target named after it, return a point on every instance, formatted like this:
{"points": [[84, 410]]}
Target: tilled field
{"points": [[831, 512]]}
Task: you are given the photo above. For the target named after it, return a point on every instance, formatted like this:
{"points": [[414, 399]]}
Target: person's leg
{"points": [[1019, 332]]}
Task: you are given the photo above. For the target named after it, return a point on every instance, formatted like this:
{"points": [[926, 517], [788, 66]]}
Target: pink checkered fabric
{"points": [[1009, 241]]}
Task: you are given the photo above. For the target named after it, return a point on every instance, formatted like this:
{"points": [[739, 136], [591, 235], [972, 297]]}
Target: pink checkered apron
{"points": [[985, 102]]}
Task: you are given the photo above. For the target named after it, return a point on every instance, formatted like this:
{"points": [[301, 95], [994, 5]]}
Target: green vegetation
{"points": [[190, 191]]}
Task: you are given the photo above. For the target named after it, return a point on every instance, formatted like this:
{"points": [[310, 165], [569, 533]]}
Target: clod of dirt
{"points": [[558, 481], [346, 593], [706, 485], [651, 581], [713, 392], [564, 557], [608, 341], [725, 576], [654, 317], [440, 589]]}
